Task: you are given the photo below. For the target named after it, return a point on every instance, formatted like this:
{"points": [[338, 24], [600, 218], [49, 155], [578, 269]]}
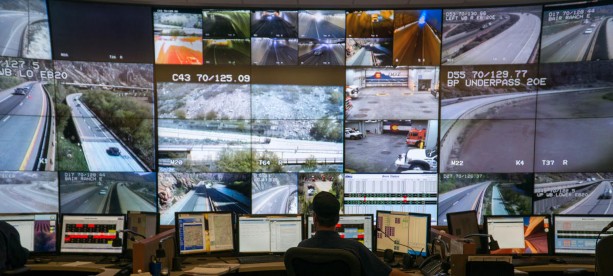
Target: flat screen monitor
{"points": [[577, 234], [204, 232], [461, 224], [37, 232], [354, 227], [520, 235], [92, 234], [144, 223], [268, 233], [403, 232]]}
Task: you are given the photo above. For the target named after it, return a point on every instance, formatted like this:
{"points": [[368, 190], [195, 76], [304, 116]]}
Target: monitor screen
{"points": [[574, 234], [144, 223], [367, 193], [37, 232], [268, 233], [403, 232], [203, 232], [519, 234], [464, 223], [354, 227], [91, 233]]}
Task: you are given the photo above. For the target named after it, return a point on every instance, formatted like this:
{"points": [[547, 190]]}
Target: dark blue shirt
{"points": [[371, 264]]}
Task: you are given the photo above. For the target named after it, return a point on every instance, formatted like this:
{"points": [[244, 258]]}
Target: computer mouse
{"points": [[557, 261]]}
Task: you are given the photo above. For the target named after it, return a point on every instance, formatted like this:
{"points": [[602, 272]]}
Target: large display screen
{"points": [[109, 108]]}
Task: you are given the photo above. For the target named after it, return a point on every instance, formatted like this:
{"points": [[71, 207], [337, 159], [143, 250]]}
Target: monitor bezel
{"points": [[238, 249], [57, 230], [553, 236], [123, 236], [549, 233], [177, 233]]}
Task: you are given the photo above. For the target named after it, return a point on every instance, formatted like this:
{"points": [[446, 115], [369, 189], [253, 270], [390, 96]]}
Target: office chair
{"points": [[604, 255], [318, 261]]}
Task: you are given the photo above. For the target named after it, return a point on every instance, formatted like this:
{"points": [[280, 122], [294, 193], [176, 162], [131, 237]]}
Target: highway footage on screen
{"points": [[573, 193], [26, 29], [487, 194], [207, 192], [577, 34], [274, 193], [26, 115], [28, 192], [107, 193], [104, 116]]}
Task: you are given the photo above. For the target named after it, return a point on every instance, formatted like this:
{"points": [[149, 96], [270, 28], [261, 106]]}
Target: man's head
{"points": [[326, 208]]}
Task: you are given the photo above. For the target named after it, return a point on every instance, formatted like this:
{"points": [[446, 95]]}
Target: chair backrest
{"points": [[604, 255], [319, 261]]}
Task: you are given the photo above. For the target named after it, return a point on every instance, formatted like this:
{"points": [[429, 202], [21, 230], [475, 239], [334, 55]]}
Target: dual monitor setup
{"points": [[103, 234], [559, 234]]}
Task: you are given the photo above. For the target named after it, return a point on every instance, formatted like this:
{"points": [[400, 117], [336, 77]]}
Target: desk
{"points": [[276, 268], [85, 267], [554, 267]]}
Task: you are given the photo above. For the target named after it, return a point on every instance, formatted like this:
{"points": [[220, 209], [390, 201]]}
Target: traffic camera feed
{"points": [[274, 193], [309, 184], [100, 106], [226, 24], [417, 37], [573, 193], [28, 192], [107, 193], [376, 93], [488, 194], [26, 31], [274, 51], [26, 115], [274, 24], [206, 192], [476, 36], [178, 36], [577, 34]]}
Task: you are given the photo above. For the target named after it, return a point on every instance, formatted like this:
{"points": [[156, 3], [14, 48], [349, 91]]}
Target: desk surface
{"points": [[101, 269]]}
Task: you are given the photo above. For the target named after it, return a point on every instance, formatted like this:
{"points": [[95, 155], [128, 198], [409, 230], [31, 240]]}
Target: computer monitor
{"points": [[93, 234], [403, 232], [268, 233], [37, 232], [520, 235], [204, 232], [144, 223], [461, 224], [355, 227], [577, 234]]}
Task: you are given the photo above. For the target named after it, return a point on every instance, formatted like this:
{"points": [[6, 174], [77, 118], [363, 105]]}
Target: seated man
{"points": [[326, 208], [12, 254]]}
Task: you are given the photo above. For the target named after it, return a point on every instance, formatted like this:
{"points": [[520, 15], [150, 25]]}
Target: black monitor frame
{"points": [[122, 236], [204, 252], [548, 232], [238, 249]]}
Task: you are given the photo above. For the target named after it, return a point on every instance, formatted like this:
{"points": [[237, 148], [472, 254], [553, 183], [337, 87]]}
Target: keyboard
{"points": [[260, 259], [76, 258], [578, 260], [529, 261]]}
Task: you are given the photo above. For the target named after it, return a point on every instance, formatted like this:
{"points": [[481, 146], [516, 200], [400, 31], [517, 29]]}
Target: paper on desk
{"points": [[213, 269], [77, 263]]}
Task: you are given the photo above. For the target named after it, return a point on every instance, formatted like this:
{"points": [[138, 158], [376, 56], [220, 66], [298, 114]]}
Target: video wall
{"points": [[109, 108]]}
